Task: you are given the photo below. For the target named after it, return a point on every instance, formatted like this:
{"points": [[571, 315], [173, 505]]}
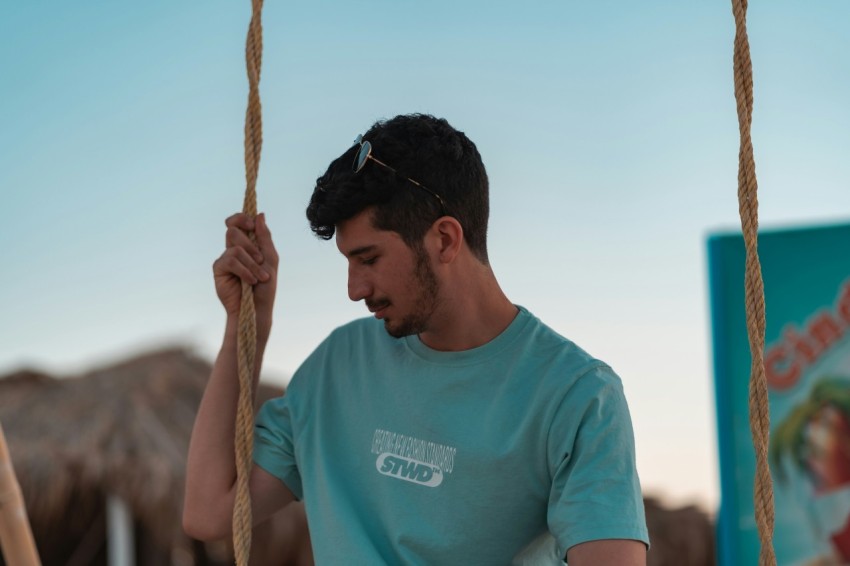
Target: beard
{"points": [[427, 292]]}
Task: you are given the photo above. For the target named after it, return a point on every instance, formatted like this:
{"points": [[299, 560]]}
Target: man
{"points": [[451, 428]]}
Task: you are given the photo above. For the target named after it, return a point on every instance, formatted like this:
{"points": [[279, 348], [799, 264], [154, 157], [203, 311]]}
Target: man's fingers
{"points": [[236, 238], [240, 220], [264, 240], [237, 262]]}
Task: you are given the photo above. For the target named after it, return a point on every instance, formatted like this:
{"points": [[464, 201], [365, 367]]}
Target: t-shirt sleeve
{"points": [[273, 446], [595, 489]]}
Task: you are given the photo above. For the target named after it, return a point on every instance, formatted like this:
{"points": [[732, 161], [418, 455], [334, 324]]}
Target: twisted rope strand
{"points": [[247, 338], [754, 287]]}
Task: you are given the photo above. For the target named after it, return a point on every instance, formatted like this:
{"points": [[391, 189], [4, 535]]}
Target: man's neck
{"points": [[471, 313]]}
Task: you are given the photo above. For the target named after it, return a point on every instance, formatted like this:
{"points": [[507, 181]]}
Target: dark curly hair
{"points": [[419, 147]]}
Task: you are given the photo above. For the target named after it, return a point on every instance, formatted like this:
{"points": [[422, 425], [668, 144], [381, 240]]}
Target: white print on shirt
{"points": [[410, 459]]}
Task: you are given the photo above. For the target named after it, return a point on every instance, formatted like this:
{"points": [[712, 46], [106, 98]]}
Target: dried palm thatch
{"points": [[679, 536], [122, 430]]}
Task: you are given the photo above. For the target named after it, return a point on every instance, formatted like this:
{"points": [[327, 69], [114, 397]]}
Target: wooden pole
{"points": [[121, 543], [15, 534]]}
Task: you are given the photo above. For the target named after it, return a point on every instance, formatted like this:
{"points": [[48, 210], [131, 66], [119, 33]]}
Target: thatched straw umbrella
{"points": [[120, 431], [682, 536]]}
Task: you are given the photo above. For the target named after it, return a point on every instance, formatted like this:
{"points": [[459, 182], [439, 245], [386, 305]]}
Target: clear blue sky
{"points": [[608, 128]]}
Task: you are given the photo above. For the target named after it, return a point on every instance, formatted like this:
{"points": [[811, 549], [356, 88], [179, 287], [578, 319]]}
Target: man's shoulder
{"points": [[343, 345], [548, 341]]}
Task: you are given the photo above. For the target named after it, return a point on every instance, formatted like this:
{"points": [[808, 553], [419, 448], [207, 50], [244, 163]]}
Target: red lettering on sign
{"points": [[781, 373], [785, 361]]}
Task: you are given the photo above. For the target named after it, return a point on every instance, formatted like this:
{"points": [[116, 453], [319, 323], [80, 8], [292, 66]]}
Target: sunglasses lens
{"points": [[362, 156]]}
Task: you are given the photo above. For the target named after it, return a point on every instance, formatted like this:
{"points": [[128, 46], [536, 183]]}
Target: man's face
{"points": [[396, 282]]}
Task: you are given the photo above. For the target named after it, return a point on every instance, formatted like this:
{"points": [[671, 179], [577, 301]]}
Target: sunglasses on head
{"points": [[365, 154]]}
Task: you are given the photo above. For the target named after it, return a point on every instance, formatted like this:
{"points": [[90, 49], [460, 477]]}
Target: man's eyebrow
{"points": [[361, 250]]}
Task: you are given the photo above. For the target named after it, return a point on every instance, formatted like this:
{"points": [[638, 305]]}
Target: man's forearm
{"points": [[211, 467], [610, 552]]}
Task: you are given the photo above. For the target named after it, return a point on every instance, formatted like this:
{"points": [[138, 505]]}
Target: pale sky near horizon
{"points": [[608, 129]]}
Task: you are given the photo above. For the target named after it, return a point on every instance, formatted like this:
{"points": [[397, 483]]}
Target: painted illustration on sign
{"points": [[815, 439]]}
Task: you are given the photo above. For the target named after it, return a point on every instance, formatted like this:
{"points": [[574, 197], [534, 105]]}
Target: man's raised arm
{"points": [[211, 467]]}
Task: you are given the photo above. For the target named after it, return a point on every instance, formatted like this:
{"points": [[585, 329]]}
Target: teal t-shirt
{"points": [[509, 453]]}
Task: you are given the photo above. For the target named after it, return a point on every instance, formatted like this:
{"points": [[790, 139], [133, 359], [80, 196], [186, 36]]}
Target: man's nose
{"points": [[358, 287]]}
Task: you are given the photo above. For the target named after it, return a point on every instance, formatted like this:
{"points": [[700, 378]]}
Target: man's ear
{"points": [[448, 238]]}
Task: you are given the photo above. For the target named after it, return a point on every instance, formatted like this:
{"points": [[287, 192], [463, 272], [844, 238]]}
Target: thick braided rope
{"points": [[754, 286], [247, 340]]}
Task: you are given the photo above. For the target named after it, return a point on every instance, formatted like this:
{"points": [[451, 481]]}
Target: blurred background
{"points": [[609, 131]]}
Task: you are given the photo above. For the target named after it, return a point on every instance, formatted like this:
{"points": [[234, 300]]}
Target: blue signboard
{"points": [[807, 362]]}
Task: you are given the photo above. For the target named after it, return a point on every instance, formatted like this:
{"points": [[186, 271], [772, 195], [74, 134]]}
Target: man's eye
{"points": [[370, 260]]}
